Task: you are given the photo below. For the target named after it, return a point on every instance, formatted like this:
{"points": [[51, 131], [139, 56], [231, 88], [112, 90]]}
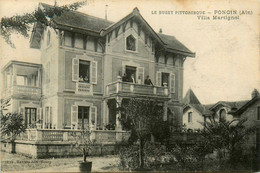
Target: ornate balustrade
{"points": [[100, 136], [22, 91], [120, 87]]}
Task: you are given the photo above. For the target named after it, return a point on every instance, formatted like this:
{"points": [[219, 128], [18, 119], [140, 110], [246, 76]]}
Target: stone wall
{"points": [[56, 149]]}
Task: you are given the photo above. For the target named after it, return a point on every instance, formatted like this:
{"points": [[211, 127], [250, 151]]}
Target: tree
{"points": [[21, 24], [11, 124], [227, 137], [141, 117]]}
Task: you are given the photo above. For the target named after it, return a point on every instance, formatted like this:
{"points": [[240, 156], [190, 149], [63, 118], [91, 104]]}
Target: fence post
{"points": [[65, 136], [38, 135]]}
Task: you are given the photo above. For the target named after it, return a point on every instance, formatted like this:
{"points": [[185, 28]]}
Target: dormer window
{"points": [[130, 43]]}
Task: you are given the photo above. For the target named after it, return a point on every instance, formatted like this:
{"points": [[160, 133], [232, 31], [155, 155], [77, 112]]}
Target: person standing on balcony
{"points": [[148, 81], [132, 79], [124, 79]]}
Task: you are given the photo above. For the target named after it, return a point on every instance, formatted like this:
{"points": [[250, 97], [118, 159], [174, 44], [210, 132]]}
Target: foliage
{"points": [[140, 116], [128, 158], [82, 142], [153, 156], [228, 139], [21, 24], [11, 123]]}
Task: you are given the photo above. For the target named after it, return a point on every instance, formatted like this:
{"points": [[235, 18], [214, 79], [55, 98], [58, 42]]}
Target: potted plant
{"points": [[39, 124], [82, 142]]}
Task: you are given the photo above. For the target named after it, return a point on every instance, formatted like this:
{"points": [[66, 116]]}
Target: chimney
{"points": [[106, 12], [255, 93], [160, 31]]}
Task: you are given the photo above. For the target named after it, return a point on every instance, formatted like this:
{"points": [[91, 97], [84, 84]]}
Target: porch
{"points": [[22, 80]]}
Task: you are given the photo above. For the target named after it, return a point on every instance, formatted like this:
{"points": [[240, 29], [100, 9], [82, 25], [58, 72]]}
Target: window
{"points": [[20, 80], [130, 70], [48, 117], [165, 79], [83, 117], [84, 71], [30, 117], [222, 114], [190, 117], [130, 43], [258, 113]]}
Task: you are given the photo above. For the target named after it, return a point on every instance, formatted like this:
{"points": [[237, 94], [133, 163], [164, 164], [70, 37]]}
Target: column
{"points": [[39, 78], [104, 114], [118, 114], [14, 75], [118, 124], [165, 111]]}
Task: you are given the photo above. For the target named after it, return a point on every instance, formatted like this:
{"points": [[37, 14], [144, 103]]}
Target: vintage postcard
{"points": [[118, 86]]}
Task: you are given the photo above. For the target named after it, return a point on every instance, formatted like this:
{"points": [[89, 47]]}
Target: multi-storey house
{"points": [[89, 66]]}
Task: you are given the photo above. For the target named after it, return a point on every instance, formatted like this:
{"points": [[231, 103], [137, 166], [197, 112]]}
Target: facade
{"points": [[89, 66], [194, 113]]}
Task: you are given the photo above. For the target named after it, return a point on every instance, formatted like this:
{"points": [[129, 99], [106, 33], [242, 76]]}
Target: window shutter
{"points": [[75, 69], [140, 73], [123, 70], [93, 115], [74, 115], [158, 78], [21, 111], [39, 114], [94, 72], [172, 83]]}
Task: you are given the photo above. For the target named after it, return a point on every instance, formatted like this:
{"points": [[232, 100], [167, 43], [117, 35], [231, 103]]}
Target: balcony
{"points": [[126, 89], [21, 80]]}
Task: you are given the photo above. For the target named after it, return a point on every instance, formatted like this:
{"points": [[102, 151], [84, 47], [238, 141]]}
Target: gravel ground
{"points": [[19, 163]]}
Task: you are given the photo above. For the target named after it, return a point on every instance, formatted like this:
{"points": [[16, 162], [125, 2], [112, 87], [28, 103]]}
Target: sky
{"points": [[227, 62]]}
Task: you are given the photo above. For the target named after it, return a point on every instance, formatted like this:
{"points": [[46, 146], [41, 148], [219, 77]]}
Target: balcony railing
{"points": [[120, 87], [100, 136], [21, 91]]}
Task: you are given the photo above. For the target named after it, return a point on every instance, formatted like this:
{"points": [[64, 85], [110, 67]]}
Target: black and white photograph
{"points": [[130, 86]]}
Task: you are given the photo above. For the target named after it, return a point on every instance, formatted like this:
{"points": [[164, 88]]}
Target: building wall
{"points": [[197, 119], [251, 114]]}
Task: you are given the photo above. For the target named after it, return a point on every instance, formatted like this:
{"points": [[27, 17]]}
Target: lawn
{"points": [[16, 162]]}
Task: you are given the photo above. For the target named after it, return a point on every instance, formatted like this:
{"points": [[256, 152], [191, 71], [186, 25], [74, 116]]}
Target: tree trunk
{"points": [[141, 156], [84, 155]]}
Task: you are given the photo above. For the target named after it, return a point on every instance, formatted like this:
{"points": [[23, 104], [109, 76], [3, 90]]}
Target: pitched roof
{"points": [[171, 43], [80, 20], [233, 105], [247, 104], [190, 98], [85, 23]]}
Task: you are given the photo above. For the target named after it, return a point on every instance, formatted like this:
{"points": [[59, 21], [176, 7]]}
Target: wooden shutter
{"points": [[123, 70], [172, 83], [75, 69], [39, 114], [94, 72], [93, 115], [141, 74], [21, 111], [158, 78], [74, 115]]}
